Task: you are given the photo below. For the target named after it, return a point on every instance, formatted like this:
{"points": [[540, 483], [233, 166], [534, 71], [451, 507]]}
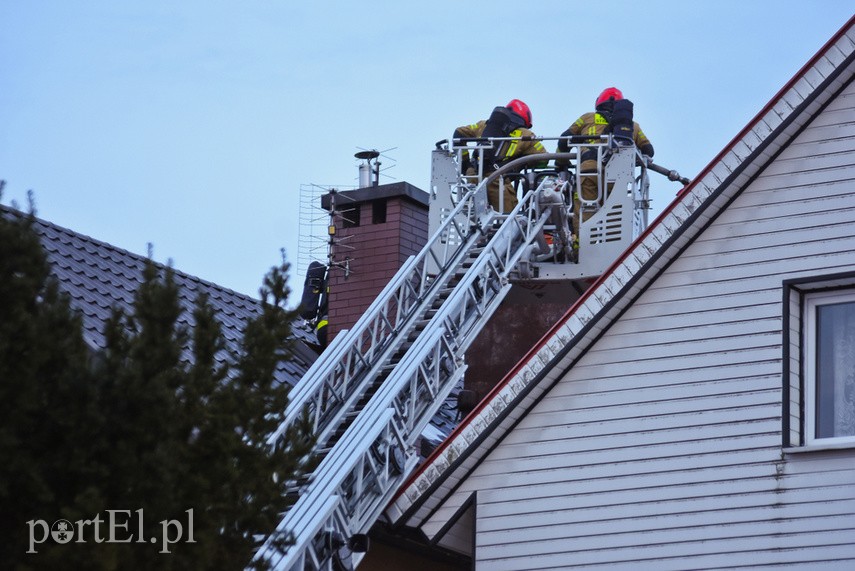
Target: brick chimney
{"points": [[376, 228]]}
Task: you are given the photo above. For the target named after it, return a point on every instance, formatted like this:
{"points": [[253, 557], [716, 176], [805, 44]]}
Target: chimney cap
{"points": [[367, 155], [392, 190]]}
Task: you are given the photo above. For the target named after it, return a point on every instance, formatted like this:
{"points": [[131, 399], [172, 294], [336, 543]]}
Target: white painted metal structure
{"points": [[372, 392], [614, 219], [657, 425]]}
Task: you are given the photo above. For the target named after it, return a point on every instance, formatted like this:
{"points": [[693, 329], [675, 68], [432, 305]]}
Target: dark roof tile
{"points": [[98, 277]]}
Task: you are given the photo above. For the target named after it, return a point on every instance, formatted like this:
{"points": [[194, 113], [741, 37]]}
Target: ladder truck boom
{"points": [[373, 391]]}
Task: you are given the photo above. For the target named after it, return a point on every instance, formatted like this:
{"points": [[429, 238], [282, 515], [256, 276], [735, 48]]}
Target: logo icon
{"points": [[62, 531]]}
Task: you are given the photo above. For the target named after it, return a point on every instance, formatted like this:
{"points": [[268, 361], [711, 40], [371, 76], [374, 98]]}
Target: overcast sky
{"points": [[193, 124]]}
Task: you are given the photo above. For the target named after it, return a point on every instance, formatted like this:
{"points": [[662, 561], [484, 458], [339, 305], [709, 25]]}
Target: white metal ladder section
{"points": [[375, 388]]}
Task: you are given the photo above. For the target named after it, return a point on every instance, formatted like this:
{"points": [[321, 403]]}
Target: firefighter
{"points": [[512, 120], [613, 114], [313, 304]]}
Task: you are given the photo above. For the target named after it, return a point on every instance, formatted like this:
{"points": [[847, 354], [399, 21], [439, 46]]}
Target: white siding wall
{"points": [[661, 449]]}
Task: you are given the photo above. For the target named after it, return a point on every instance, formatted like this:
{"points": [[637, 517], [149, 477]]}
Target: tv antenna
{"points": [[369, 169]]}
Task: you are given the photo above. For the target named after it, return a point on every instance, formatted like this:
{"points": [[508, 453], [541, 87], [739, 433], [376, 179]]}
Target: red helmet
{"points": [[609, 93], [522, 110]]}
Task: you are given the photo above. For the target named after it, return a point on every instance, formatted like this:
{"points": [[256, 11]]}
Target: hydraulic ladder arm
{"points": [[374, 390]]}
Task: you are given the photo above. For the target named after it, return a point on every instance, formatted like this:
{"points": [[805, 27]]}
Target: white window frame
{"points": [[812, 301]]}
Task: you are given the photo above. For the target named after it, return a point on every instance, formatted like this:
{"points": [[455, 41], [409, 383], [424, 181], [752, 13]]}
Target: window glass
{"points": [[831, 367], [835, 370]]}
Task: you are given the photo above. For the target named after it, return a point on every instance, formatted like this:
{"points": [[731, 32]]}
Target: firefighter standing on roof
{"points": [[596, 124], [512, 120]]}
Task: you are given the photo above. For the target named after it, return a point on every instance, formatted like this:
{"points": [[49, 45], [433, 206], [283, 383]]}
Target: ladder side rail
{"points": [[307, 557], [429, 377], [478, 300], [445, 245], [492, 269], [422, 389], [420, 396], [344, 472], [505, 247], [301, 392], [323, 438], [325, 387], [371, 370], [308, 391], [459, 320], [316, 510], [352, 473]]}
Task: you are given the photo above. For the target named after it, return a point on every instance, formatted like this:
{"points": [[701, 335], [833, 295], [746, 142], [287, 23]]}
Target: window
{"points": [[350, 217], [828, 334], [819, 362], [378, 211]]}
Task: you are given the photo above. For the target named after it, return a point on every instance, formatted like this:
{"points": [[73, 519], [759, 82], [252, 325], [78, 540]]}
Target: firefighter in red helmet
{"points": [[609, 93], [511, 121], [522, 111], [595, 124]]}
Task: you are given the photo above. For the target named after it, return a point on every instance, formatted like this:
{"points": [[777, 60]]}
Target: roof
{"points": [[697, 205], [98, 276]]}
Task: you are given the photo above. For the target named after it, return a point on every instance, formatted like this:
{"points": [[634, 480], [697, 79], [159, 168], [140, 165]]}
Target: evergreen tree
{"points": [[165, 425], [48, 415]]}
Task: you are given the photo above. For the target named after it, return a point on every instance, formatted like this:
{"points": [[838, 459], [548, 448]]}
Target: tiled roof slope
{"points": [[98, 277], [686, 217]]}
